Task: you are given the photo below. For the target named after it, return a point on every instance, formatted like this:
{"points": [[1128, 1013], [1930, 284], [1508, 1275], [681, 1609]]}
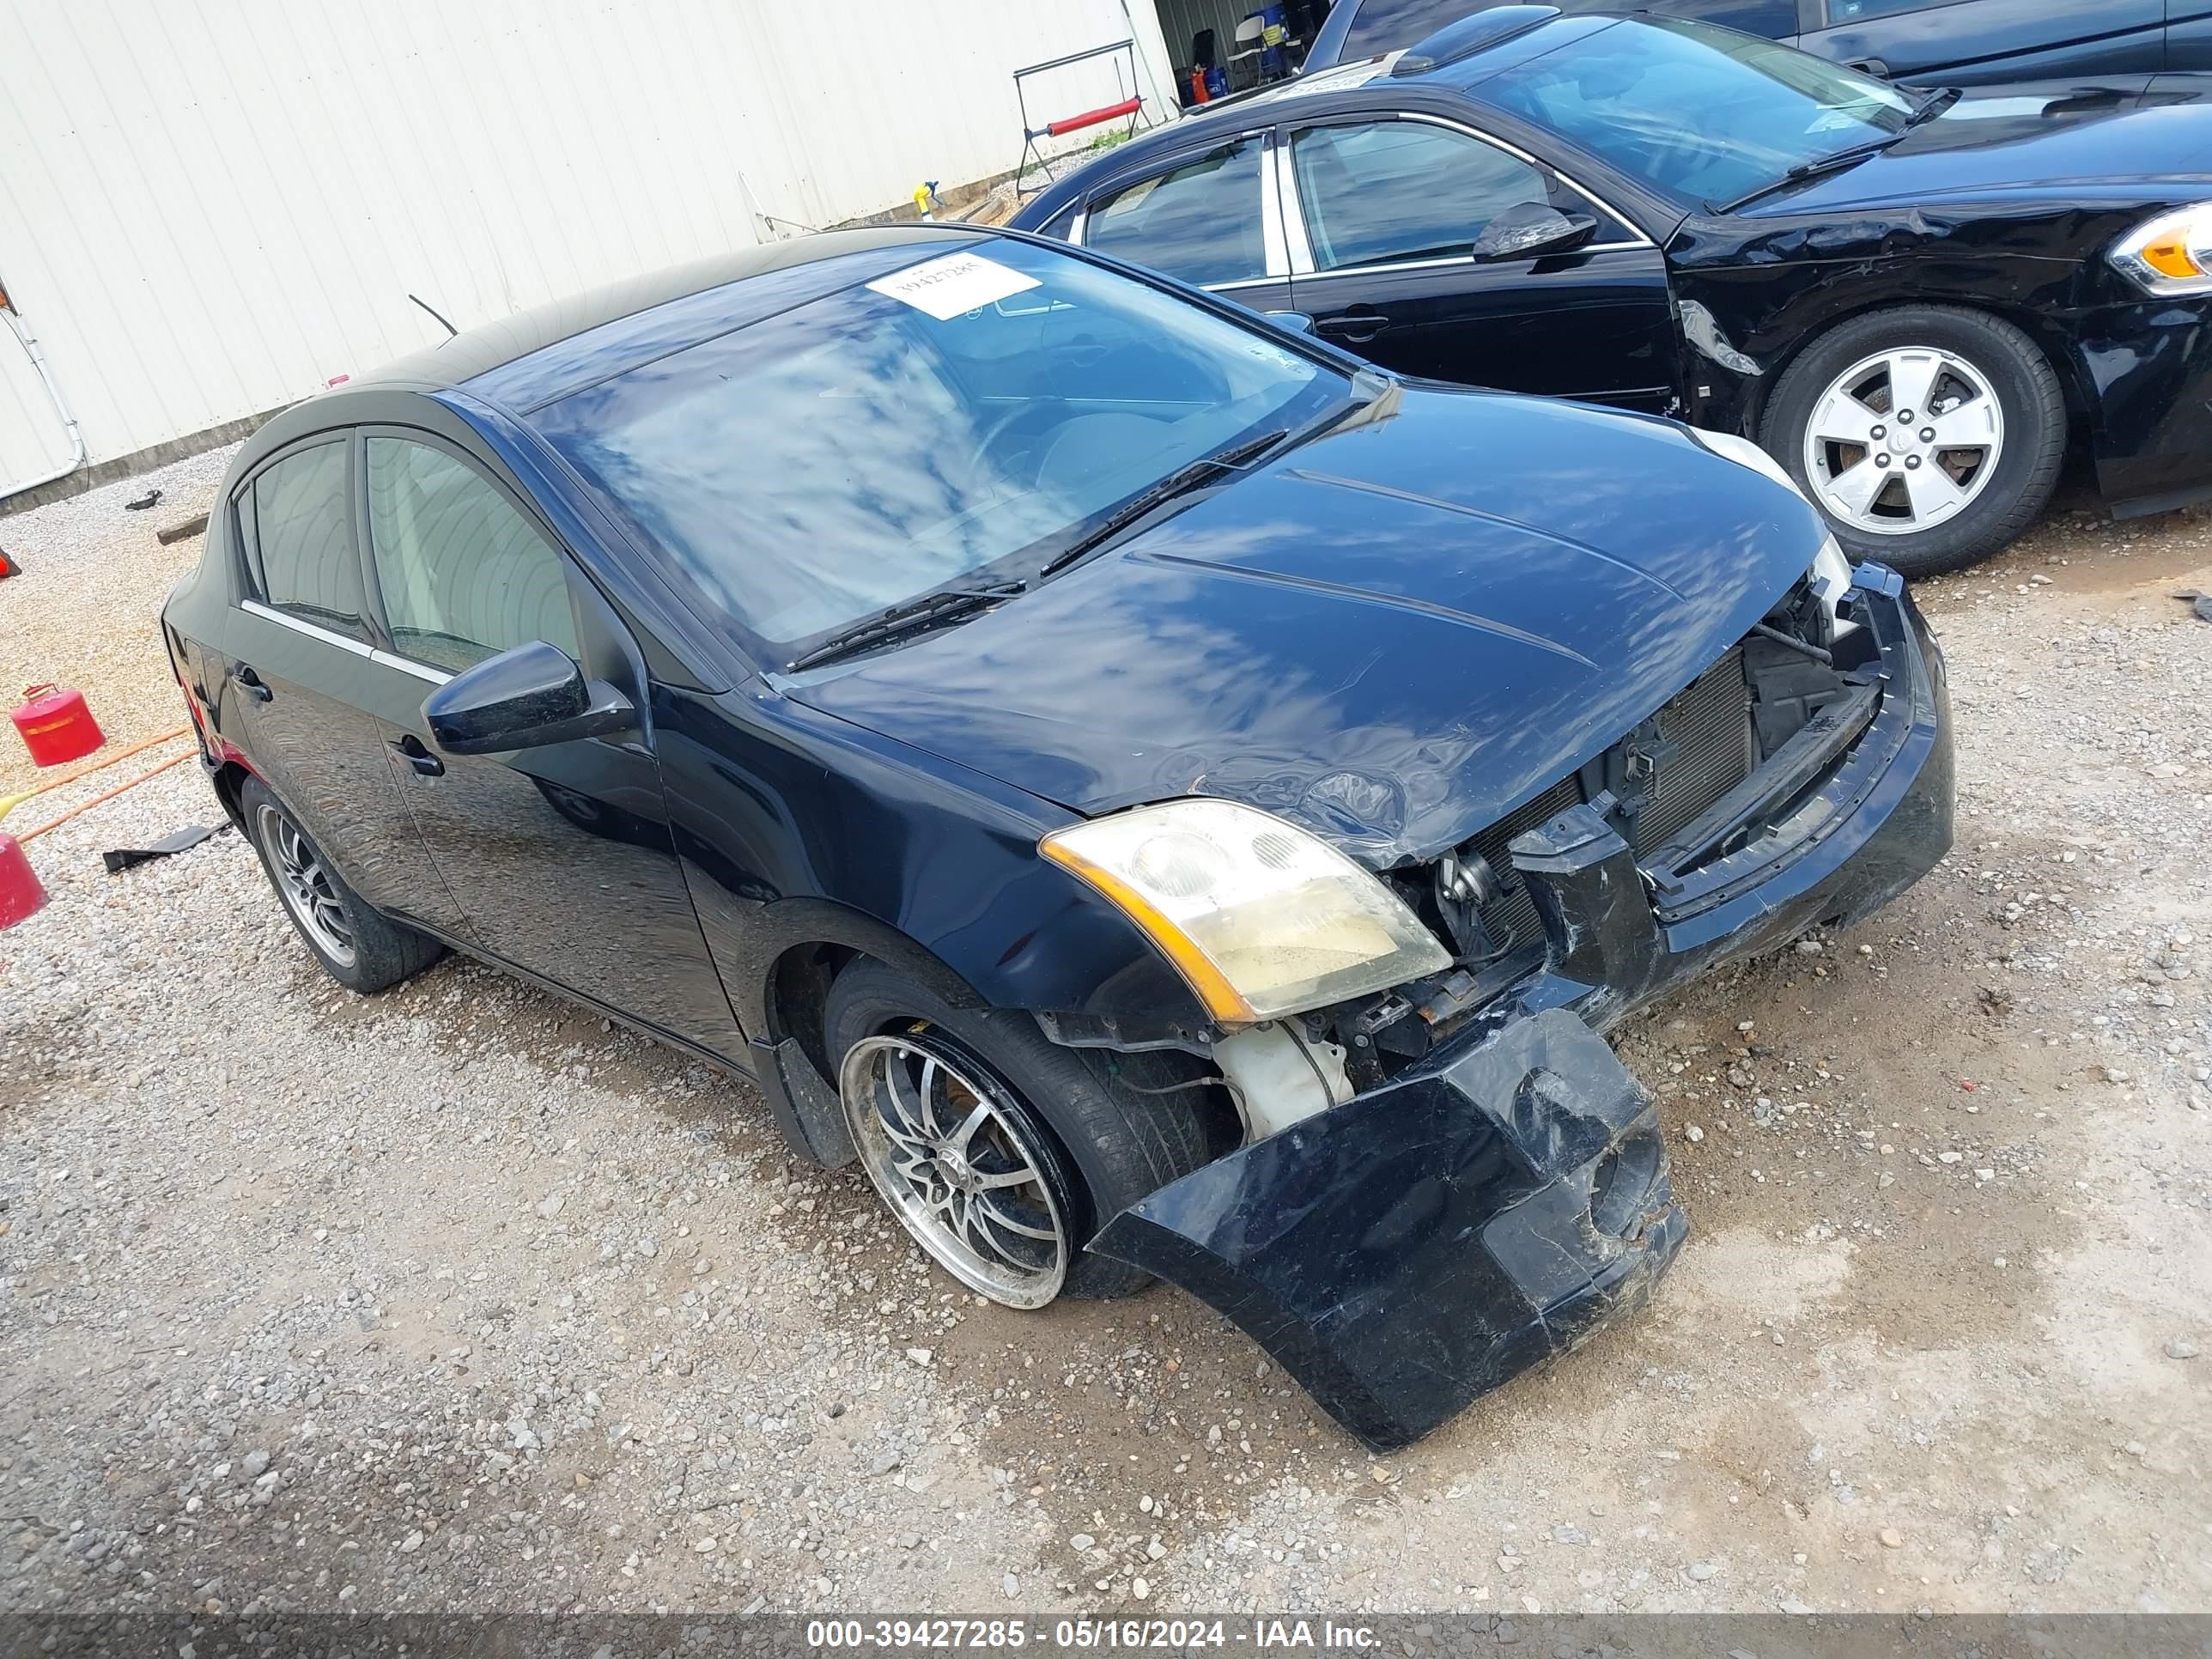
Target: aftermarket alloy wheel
{"points": [[960, 1162], [1000, 1150], [1929, 436], [361, 949], [307, 886]]}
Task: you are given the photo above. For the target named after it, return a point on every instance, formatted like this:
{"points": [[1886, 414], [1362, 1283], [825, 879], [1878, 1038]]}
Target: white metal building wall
{"points": [[210, 208]]}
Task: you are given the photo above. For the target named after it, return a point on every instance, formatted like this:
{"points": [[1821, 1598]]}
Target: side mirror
{"points": [[525, 698], [1297, 321], [1529, 230]]}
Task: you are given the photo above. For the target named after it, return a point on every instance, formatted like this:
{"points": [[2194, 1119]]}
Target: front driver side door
{"points": [[561, 856], [1382, 216]]}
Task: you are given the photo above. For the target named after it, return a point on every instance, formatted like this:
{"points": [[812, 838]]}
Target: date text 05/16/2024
{"points": [[1176, 1635]]}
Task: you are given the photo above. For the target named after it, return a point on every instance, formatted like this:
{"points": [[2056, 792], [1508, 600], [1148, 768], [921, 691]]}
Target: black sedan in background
{"points": [[1916, 301], [1956, 42], [1165, 797]]}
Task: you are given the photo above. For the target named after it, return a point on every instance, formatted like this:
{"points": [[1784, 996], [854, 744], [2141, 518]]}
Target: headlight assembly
{"points": [[1263, 918], [2171, 254]]}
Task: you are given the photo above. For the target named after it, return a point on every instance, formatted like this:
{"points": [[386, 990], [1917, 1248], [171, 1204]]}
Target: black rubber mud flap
{"points": [[1408, 1251]]}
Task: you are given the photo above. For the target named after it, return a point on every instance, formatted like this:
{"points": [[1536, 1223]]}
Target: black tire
{"points": [[384, 952], [2027, 469], [1105, 1145]]}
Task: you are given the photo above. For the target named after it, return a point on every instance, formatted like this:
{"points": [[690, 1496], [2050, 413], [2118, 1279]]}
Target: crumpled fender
{"points": [[1404, 1253]]}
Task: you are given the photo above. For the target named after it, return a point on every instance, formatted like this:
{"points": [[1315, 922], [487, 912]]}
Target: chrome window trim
{"points": [[408, 665], [1302, 263], [1272, 249], [1242, 282], [285, 619], [1292, 208], [1453, 260], [1076, 226]]}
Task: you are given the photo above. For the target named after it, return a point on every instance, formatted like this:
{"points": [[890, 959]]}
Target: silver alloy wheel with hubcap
{"points": [[305, 887], [936, 1138], [1903, 441]]}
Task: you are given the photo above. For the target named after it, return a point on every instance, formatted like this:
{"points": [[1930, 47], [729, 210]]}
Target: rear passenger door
{"points": [[1208, 217], [1980, 42], [305, 674], [1382, 215]]}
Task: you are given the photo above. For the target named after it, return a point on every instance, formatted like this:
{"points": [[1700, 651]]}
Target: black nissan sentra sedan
{"points": [[1920, 303], [1166, 798]]}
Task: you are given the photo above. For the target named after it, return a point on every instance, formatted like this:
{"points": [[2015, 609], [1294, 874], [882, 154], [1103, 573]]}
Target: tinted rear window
{"points": [[297, 529]]}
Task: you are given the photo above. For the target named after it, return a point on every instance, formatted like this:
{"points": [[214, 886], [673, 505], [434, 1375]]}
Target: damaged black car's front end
{"points": [[1495, 1188]]}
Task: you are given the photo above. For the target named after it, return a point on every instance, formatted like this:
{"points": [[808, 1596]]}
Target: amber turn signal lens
{"points": [[2172, 258]]}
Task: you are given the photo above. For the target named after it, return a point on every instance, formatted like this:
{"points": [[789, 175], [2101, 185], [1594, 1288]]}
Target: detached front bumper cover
{"points": [[1413, 1248], [1404, 1253]]}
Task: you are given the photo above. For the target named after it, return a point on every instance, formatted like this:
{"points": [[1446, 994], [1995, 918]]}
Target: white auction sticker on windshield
{"points": [[948, 286]]}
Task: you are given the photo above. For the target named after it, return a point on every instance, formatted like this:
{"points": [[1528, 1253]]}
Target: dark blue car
{"points": [[1956, 42], [1165, 797]]}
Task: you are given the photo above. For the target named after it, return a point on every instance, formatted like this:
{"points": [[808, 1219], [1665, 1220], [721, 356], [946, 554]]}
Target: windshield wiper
{"points": [[1192, 475], [1372, 393], [932, 609], [1927, 109]]}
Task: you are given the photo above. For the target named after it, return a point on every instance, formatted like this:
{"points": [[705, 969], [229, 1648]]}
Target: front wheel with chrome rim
{"points": [[1929, 436], [960, 1162], [358, 946], [1002, 1153]]}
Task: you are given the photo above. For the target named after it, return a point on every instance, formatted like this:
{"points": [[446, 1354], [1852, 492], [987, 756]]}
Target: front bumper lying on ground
{"points": [[1415, 1246], [1403, 1253]]}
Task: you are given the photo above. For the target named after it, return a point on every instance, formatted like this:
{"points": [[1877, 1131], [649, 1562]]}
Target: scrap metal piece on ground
{"points": [[176, 532], [2200, 603], [122, 857], [1410, 1250], [144, 501]]}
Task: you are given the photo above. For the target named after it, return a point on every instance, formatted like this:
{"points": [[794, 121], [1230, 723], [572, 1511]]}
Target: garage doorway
{"points": [[1235, 44]]}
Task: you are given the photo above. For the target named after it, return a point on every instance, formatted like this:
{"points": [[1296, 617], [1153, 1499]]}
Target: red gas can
{"points": [[56, 724], [21, 893]]}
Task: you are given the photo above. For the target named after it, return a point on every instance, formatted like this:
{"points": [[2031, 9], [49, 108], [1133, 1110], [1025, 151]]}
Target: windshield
{"points": [[1699, 111], [971, 413]]}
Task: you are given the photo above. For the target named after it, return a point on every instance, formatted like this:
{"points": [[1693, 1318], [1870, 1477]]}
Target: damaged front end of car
{"points": [[1450, 1177]]}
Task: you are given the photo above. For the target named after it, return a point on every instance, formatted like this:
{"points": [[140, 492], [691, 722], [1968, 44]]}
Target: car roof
{"points": [[522, 360], [1370, 83]]}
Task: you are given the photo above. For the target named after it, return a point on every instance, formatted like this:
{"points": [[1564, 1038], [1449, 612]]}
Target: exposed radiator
{"points": [[1710, 726]]}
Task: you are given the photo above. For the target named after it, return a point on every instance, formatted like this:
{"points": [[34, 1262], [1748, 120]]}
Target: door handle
{"points": [[247, 681], [412, 752], [1353, 325]]}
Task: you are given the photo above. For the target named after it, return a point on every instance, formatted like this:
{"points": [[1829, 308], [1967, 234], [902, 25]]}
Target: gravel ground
{"points": [[456, 1299]]}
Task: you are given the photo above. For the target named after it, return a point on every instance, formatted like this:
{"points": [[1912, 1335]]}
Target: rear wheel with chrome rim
{"points": [[1929, 436], [361, 949], [1000, 1151]]}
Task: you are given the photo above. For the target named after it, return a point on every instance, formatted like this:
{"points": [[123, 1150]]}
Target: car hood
{"points": [[1393, 635], [2101, 141]]}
